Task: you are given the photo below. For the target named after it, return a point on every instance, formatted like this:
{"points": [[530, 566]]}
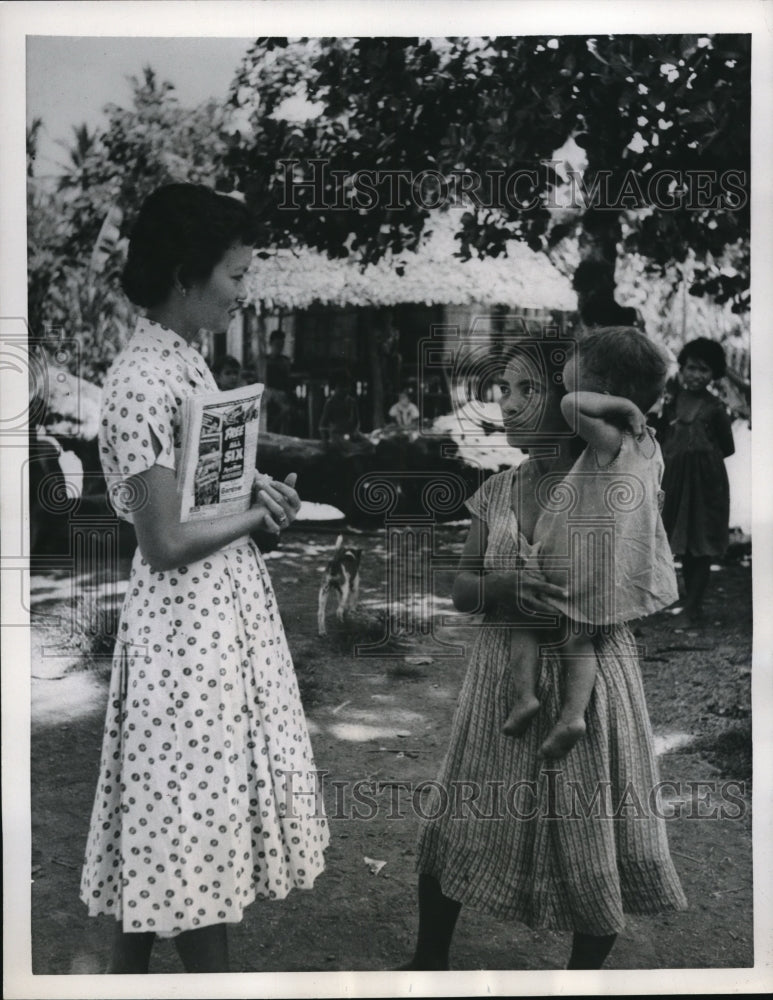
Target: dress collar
{"points": [[149, 331]]}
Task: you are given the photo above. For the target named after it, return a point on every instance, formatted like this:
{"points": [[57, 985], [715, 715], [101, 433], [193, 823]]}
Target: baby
{"points": [[609, 551]]}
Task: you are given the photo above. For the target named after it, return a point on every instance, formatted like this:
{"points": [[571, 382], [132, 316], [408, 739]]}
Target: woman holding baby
{"points": [[551, 734]]}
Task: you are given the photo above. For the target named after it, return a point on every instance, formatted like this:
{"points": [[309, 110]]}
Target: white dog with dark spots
{"points": [[342, 575]]}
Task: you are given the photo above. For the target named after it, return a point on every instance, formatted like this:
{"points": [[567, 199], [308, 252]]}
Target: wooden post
{"points": [[371, 328]]}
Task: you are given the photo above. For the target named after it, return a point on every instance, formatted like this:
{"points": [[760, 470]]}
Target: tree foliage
{"points": [[623, 109], [77, 232], [662, 123]]}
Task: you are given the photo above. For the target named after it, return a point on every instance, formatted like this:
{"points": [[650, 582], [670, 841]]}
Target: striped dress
{"points": [[562, 845]]}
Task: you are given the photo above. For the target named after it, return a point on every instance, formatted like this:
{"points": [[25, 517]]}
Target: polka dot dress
{"points": [[207, 790]]}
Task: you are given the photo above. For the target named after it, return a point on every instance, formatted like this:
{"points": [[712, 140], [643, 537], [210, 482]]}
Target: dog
{"points": [[342, 574]]}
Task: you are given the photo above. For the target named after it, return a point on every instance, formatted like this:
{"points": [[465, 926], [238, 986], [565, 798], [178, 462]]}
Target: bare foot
{"points": [[562, 737], [521, 714]]}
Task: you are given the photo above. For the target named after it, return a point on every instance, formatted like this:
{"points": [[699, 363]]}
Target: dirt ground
{"points": [[384, 715]]}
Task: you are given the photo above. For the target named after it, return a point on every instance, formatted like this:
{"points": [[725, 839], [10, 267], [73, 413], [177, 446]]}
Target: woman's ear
{"points": [[178, 283]]}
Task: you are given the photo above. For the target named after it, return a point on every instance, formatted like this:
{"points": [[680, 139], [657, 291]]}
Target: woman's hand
{"points": [[279, 501], [524, 590], [522, 593], [166, 542]]}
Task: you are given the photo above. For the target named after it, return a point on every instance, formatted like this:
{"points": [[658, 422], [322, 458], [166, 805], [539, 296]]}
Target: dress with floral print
{"points": [[206, 796]]}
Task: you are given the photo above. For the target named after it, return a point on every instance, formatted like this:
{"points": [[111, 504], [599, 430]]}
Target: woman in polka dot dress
{"points": [[205, 750]]}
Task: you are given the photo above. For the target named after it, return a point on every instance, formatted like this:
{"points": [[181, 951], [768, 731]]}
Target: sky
{"points": [[71, 79]]}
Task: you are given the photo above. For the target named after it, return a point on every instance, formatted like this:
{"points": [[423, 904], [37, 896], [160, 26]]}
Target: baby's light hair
{"points": [[626, 362]]}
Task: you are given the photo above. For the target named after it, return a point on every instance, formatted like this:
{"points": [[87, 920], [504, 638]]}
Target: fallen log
{"points": [[407, 474], [394, 473]]}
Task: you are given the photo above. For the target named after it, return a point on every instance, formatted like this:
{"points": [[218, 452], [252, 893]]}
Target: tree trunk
{"points": [[594, 279], [376, 359]]}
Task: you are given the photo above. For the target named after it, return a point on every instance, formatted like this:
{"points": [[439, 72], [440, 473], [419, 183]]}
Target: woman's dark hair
{"points": [[181, 232], [708, 351], [594, 280], [626, 362]]}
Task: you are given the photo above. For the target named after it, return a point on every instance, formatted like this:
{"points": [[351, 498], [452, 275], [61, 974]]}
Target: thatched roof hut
{"points": [[370, 323], [290, 280]]}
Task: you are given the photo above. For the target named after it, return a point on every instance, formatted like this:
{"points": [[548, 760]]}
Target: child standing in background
{"points": [[227, 372], [696, 435], [340, 419]]}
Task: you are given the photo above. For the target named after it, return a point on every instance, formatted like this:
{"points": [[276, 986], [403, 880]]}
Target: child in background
{"points": [[340, 419], [405, 413], [227, 372], [697, 436], [612, 532]]}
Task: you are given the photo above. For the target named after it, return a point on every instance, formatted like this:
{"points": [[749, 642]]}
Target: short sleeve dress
{"points": [[568, 845], [206, 793]]}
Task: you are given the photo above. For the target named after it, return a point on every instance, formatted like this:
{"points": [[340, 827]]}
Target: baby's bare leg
{"points": [[579, 662], [524, 657]]}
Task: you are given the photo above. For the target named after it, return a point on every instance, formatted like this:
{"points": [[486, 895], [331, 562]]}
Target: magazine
{"points": [[219, 452]]}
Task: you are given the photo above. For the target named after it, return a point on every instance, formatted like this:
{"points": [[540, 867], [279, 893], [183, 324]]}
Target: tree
{"points": [[77, 234], [662, 123], [81, 157], [33, 132]]}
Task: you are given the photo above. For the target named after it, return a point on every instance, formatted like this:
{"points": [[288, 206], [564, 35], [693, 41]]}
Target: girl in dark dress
{"points": [[696, 437]]}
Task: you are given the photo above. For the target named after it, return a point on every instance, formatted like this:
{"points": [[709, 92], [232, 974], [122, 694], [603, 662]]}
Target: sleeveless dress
{"points": [[205, 753], [602, 535], [567, 845]]}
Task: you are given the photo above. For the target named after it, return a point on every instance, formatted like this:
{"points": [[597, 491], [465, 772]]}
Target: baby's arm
{"points": [[593, 410]]}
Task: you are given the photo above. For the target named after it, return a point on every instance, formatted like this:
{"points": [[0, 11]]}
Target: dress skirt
{"points": [[696, 511], [206, 794], [565, 845]]}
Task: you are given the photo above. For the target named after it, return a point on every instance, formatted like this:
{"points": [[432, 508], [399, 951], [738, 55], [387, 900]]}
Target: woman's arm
{"points": [[467, 593], [475, 590], [166, 543]]}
